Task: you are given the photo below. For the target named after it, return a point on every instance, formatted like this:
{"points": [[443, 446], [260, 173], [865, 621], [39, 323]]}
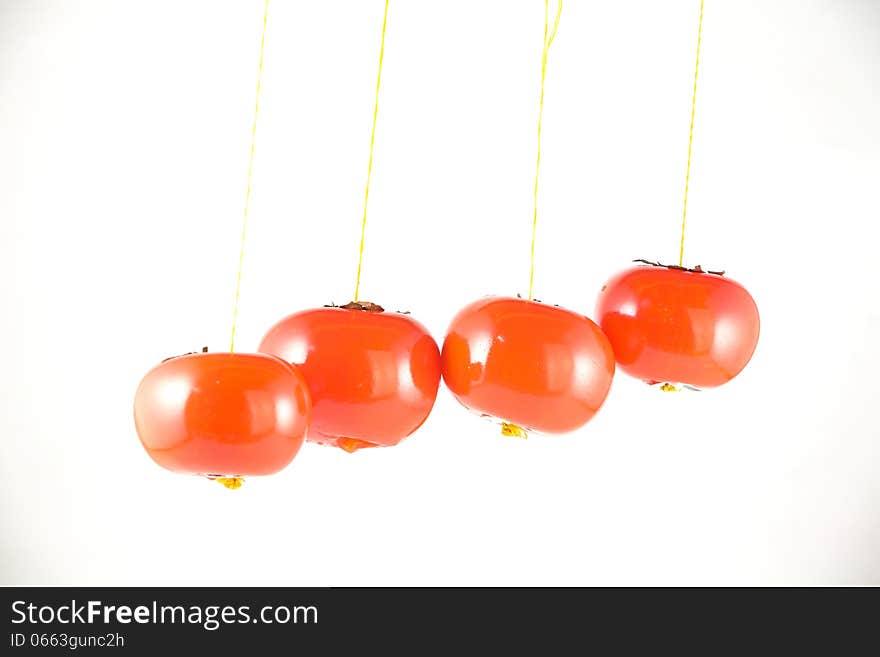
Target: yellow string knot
{"points": [[232, 483], [513, 431], [351, 445]]}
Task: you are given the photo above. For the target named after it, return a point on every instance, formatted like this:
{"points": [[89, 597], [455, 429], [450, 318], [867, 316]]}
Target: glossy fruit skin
{"points": [[224, 414], [537, 366], [676, 326], [373, 376]]}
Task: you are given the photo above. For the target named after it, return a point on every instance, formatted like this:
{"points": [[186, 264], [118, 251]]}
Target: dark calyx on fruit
{"points": [[188, 353], [693, 270], [366, 306]]}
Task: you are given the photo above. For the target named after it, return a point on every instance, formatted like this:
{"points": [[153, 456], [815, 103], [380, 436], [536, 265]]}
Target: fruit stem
{"points": [[668, 387]]}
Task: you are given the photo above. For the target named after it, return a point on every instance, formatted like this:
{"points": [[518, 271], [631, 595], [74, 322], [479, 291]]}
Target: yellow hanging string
{"points": [[357, 285], [250, 171], [548, 39], [687, 175]]}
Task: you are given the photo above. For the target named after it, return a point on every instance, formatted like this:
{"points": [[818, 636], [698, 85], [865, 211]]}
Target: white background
{"points": [[124, 130]]}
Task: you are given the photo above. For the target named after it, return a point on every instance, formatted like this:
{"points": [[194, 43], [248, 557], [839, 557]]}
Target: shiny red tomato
{"points": [[673, 326], [528, 364], [373, 375], [222, 414]]}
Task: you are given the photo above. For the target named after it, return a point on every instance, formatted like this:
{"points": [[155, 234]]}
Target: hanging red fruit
{"points": [[373, 375], [673, 325], [222, 415], [531, 365]]}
